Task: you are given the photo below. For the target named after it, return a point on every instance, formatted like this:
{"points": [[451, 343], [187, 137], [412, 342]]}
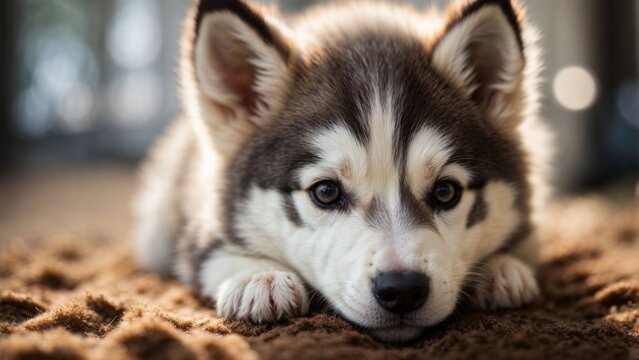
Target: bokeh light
{"points": [[575, 88], [627, 101], [133, 39], [63, 70], [135, 98], [75, 108]]}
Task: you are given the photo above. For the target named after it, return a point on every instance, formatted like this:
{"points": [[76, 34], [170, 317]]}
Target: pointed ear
{"points": [[241, 62], [481, 53]]}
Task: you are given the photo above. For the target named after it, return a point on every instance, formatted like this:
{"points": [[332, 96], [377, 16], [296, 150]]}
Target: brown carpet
{"points": [[68, 289]]}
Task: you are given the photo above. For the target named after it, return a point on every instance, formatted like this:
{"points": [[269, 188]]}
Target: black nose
{"points": [[401, 292]]}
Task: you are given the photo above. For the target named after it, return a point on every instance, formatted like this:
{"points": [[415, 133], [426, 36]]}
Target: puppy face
{"points": [[379, 163]]}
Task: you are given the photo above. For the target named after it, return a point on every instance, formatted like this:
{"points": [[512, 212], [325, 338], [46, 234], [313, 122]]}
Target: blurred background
{"points": [[89, 82]]}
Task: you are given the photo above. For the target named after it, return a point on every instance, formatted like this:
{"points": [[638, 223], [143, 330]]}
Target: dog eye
{"points": [[447, 193], [325, 193]]}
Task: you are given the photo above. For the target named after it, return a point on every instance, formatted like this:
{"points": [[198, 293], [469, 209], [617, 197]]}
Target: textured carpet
{"points": [[68, 289]]}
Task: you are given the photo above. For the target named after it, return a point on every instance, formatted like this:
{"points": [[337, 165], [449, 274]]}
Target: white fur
{"points": [[511, 283], [156, 203], [249, 288]]}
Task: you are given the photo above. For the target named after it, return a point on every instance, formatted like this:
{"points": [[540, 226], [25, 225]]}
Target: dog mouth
{"points": [[398, 333]]}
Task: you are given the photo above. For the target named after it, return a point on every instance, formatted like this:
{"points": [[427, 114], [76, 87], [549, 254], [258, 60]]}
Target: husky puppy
{"points": [[383, 156]]}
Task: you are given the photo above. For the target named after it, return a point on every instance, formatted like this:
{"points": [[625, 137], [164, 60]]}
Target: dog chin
{"points": [[401, 333]]}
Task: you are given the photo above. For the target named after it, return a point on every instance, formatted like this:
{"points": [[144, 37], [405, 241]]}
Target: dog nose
{"points": [[401, 292]]}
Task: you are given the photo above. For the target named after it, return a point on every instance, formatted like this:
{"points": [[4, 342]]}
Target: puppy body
{"points": [[423, 125]]}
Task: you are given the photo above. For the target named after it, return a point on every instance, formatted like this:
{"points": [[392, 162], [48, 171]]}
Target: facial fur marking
{"points": [[290, 210], [479, 210], [345, 169], [428, 152], [383, 170], [377, 215], [503, 221], [476, 184], [414, 209], [338, 152]]}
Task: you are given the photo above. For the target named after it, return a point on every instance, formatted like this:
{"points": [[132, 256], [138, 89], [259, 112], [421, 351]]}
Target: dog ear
{"points": [[481, 53], [241, 63]]}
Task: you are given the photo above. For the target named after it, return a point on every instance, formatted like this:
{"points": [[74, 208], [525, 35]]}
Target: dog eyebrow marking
{"points": [[427, 154], [346, 169], [479, 210]]}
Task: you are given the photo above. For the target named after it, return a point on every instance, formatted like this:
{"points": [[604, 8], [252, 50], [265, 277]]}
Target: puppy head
{"points": [[379, 160]]}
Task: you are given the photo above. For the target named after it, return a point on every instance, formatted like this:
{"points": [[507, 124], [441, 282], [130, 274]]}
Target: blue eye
{"points": [[325, 193], [447, 193]]}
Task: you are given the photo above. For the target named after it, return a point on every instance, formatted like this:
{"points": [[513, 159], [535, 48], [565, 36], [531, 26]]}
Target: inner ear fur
{"points": [[481, 52], [241, 59]]}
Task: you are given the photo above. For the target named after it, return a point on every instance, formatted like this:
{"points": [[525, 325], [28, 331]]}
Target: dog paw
{"points": [[262, 297], [508, 283]]}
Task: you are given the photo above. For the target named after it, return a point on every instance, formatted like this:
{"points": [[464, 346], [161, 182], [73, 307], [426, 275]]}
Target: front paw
{"points": [[507, 283], [262, 297]]}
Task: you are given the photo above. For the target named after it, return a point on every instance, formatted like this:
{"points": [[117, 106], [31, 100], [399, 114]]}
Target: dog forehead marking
{"points": [[371, 172], [382, 175], [369, 169]]}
